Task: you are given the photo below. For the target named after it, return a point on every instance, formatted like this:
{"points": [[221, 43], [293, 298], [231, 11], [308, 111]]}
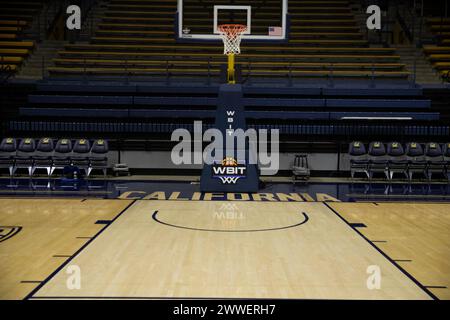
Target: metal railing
{"points": [[410, 15], [213, 73]]}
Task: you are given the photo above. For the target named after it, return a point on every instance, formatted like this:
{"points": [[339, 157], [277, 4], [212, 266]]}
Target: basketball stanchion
{"points": [[231, 35], [236, 169]]}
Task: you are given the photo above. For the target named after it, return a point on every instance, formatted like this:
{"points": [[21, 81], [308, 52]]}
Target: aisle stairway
{"points": [[36, 66], [414, 58], [439, 54]]}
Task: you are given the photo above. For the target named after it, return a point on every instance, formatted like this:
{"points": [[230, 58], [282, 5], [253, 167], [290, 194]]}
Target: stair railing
{"points": [[409, 13], [406, 19], [47, 18]]}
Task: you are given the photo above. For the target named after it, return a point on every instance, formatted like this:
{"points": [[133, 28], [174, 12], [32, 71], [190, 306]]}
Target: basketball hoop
{"points": [[231, 35]]}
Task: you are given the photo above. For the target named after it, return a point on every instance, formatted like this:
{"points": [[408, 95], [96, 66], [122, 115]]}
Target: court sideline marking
{"points": [[420, 285], [35, 290]]}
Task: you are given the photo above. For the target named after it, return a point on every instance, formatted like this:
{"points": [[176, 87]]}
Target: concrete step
{"points": [[416, 61], [32, 67]]}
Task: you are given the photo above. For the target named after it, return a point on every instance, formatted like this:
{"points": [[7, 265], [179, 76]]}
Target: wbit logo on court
{"points": [[229, 171]]}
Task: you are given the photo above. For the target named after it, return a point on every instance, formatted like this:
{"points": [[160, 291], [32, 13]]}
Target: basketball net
{"points": [[231, 35]]}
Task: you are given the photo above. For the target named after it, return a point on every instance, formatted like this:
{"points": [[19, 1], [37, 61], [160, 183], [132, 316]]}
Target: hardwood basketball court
{"points": [[223, 249]]}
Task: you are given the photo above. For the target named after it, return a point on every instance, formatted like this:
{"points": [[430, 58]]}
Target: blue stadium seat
{"points": [[8, 148], [378, 161], [98, 159], [416, 159], [24, 155], [61, 155], [446, 154], [358, 158], [397, 159], [435, 159], [80, 154], [43, 155]]}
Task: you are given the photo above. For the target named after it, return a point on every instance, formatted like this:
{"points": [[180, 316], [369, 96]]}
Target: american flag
{"points": [[275, 31]]}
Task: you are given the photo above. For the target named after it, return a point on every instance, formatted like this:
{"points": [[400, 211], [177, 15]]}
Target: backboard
{"points": [[265, 20]]}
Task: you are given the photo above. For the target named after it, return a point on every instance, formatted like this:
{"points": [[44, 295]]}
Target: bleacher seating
{"points": [[312, 104], [57, 107], [434, 160], [15, 17], [26, 154], [136, 38]]}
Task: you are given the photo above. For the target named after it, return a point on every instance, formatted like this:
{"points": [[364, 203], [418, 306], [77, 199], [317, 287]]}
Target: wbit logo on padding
{"points": [[229, 171]]}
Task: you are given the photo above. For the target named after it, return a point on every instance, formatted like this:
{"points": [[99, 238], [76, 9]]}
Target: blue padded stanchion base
{"points": [[239, 176]]}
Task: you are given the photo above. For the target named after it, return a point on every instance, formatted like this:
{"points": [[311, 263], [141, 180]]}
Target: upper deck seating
{"points": [[137, 38]]}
